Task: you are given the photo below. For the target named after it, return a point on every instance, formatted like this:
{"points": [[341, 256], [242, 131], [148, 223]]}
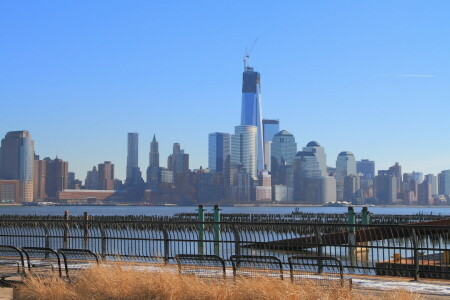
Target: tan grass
{"points": [[122, 282]]}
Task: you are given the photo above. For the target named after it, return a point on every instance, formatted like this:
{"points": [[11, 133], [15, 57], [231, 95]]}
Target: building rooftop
{"points": [[345, 153], [313, 144], [284, 133]]}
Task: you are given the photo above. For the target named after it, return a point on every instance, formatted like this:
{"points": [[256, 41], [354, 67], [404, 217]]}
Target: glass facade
{"points": [[270, 128], [283, 148], [243, 148], [132, 157], [251, 110], [218, 151]]}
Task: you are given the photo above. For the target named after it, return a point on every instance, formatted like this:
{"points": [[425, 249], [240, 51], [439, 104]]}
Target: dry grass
{"points": [[125, 283]]}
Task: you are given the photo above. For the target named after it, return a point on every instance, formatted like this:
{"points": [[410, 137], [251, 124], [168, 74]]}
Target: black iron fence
{"points": [[400, 250]]}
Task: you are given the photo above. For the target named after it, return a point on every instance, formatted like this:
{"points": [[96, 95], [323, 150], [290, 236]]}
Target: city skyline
{"points": [[376, 92]]}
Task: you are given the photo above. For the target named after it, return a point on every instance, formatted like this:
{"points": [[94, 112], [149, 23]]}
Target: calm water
{"points": [[171, 210]]}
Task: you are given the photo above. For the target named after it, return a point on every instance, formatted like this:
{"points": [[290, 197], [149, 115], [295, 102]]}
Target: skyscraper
{"points": [[57, 176], [218, 151], [366, 168], [283, 148], [153, 171], [154, 153], [270, 128], [444, 182], [106, 176], [243, 148], [319, 153], [132, 157], [345, 165], [251, 110], [17, 161]]}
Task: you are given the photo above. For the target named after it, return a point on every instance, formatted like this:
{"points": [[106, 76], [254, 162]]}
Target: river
{"points": [[171, 210]]}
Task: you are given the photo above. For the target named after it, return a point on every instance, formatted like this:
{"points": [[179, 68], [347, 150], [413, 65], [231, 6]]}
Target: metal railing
{"points": [[402, 250]]}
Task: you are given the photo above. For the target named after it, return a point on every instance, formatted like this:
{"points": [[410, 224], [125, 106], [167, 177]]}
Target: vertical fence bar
{"points": [[201, 229], [416, 254], [216, 230], [319, 248], [103, 238], [351, 231], [46, 234], [166, 245], [86, 229], [66, 230]]}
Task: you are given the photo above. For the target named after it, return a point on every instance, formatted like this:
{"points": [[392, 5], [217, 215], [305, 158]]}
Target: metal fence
{"points": [[401, 250]]}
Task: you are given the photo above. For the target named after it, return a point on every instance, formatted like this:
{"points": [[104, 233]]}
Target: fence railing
{"points": [[401, 250]]}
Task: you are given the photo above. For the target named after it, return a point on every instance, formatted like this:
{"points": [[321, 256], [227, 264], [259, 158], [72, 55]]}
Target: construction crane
{"points": [[247, 54]]}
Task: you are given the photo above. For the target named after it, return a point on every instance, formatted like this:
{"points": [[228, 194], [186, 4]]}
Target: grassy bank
{"points": [[126, 283]]}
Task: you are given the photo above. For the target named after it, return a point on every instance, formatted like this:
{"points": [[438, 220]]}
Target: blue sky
{"points": [[371, 77]]}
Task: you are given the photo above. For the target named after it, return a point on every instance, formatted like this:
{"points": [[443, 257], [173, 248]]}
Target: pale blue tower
{"points": [[251, 109]]}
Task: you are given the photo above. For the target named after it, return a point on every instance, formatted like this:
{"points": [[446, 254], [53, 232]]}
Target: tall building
{"points": [[17, 161], [153, 170], [444, 182], [218, 151], [396, 170], [319, 153], [154, 154], [270, 128], [57, 178], [92, 180], [386, 188], [432, 179], [366, 168], [264, 189], [243, 149], [39, 179], [106, 176], [251, 110], [283, 148], [132, 157], [178, 161], [345, 165]]}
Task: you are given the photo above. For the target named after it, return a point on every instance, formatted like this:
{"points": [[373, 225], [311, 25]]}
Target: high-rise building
{"points": [[132, 157], [251, 110], [17, 161], [154, 154], [178, 161], [319, 153], [218, 151], [264, 189], [106, 176], [444, 182], [39, 179], [432, 179], [57, 178], [92, 179], [396, 170], [386, 188], [283, 149], [418, 177], [366, 168], [270, 128], [345, 165], [425, 194], [243, 149]]}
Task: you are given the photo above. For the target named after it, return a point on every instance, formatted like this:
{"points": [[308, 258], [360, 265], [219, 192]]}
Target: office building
{"points": [[17, 161], [132, 156], [283, 149], [444, 182], [153, 170], [366, 168], [243, 149], [178, 161], [57, 176], [154, 154], [92, 179], [263, 190], [106, 176], [425, 196], [270, 128], [345, 165], [432, 179], [39, 179], [218, 151], [251, 110], [386, 189], [9, 191], [319, 153]]}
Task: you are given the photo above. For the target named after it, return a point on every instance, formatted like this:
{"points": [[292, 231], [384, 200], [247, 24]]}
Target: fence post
{"points": [[201, 229], [365, 217], [416, 254], [237, 241], [47, 239], [216, 230], [86, 218], [66, 230], [351, 230], [103, 237], [166, 245], [319, 248]]}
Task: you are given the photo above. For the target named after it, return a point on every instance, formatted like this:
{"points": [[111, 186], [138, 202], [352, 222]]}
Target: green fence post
{"points": [[351, 233], [365, 217], [216, 230], [201, 229]]}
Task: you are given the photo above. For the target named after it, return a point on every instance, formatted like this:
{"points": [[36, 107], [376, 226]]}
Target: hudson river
{"points": [[171, 210]]}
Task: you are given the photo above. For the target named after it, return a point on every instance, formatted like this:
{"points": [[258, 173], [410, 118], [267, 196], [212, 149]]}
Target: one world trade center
{"points": [[251, 109]]}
